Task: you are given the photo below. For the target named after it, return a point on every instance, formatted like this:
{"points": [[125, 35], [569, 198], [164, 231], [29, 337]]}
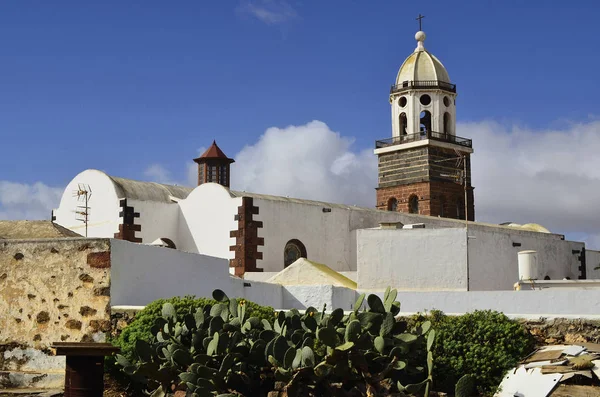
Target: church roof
{"points": [[26, 230], [213, 152], [151, 191], [148, 191], [288, 199], [421, 65]]}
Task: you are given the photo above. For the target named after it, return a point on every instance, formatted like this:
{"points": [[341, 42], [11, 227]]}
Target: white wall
{"points": [[142, 273], [493, 261], [592, 260], [412, 259], [329, 237], [206, 218], [540, 303], [104, 210], [157, 220]]}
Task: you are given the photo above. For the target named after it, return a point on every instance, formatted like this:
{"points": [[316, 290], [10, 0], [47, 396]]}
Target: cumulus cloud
{"points": [[158, 173], [271, 12], [308, 161], [550, 177], [23, 201]]}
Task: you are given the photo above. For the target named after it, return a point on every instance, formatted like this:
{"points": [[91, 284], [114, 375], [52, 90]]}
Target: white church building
{"points": [[420, 234]]}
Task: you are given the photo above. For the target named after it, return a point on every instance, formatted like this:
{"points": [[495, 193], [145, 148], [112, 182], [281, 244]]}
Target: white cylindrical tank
{"points": [[528, 266]]}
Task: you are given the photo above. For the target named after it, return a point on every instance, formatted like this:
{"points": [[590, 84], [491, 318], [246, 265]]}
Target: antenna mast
{"points": [[83, 194]]}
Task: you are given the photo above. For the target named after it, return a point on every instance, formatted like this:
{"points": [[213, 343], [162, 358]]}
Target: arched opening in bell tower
{"points": [[447, 128], [413, 204], [403, 123], [425, 121], [392, 204], [442, 206]]}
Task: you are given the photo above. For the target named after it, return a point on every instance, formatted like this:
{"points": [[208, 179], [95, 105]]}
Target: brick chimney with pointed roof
{"points": [[214, 166]]}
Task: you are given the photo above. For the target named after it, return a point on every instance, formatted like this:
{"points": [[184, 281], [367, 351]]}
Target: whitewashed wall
{"points": [[413, 259], [426, 259], [559, 302], [157, 220], [592, 260], [104, 213], [493, 261], [327, 236], [142, 273], [206, 218]]}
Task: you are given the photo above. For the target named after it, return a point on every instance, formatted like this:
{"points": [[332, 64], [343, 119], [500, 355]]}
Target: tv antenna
{"points": [[83, 194]]}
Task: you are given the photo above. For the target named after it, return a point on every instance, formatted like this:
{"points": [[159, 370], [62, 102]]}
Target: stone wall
{"points": [[50, 291], [563, 330]]}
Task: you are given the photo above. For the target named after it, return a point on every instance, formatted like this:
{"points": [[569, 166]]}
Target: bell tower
{"points": [[214, 166], [424, 168]]}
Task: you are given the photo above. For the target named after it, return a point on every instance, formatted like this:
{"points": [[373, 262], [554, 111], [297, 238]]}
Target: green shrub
{"points": [[484, 344], [140, 327]]}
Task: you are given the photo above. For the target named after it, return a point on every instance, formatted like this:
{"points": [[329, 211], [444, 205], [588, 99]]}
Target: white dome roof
{"points": [[421, 65]]}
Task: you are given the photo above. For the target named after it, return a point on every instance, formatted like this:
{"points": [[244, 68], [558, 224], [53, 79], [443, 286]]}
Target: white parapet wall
{"points": [[551, 302]]}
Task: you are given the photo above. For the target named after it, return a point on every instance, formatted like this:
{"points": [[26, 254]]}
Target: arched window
{"points": [[169, 243], [413, 204], [402, 124], [425, 121], [442, 206], [460, 208], [392, 204], [294, 250], [447, 123]]}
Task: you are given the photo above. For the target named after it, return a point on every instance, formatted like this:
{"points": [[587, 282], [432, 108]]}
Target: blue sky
{"points": [[126, 86]]}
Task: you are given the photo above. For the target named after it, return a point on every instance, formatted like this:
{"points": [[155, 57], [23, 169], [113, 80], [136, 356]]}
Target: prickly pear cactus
{"points": [[465, 387], [218, 350]]}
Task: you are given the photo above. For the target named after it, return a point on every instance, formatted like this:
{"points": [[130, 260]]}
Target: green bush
{"points": [[484, 344], [140, 327]]}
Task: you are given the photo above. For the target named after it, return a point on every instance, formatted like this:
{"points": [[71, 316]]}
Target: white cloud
{"points": [[550, 177], [23, 201], [271, 12], [309, 161], [158, 173]]}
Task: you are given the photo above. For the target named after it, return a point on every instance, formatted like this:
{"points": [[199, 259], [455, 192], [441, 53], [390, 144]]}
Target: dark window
{"points": [[200, 173], [446, 101], [294, 250], [402, 101], [460, 208], [168, 242], [392, 204], [212, 173], [425, 99], [447, 123], [442, 206], [413, 204], [402, 124], [223, 175], [425, 121]]}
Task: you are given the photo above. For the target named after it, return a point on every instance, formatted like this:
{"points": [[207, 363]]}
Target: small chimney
{"points": [[214, 166], [390, 225]]}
